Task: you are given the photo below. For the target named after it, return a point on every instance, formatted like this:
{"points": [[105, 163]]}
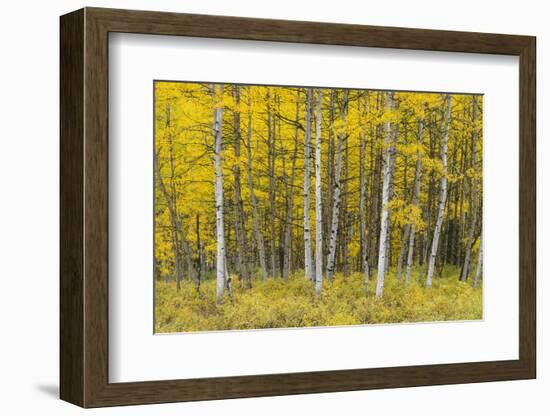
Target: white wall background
{"points": [[29, 208]]}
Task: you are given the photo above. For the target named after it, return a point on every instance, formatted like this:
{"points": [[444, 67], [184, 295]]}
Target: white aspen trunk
{"points": [[336, 194], [256, 222], [410, 254], [362, 205], [395, 134], [442, 193], [388, 159], [318, 198], [221, 266], [290, 203], [416, 201], [307, 187], [479, 268], [388, 230], [239, 211], [473, 206]]}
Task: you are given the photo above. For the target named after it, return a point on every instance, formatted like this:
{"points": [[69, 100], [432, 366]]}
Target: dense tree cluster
{"points": [[257, 182]]}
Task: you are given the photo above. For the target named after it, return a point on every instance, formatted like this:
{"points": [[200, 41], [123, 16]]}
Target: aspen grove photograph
{"points": [[285, 207]]}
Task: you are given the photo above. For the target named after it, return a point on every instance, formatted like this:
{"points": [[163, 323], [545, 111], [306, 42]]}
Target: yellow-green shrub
{"points": [[292, 303]]}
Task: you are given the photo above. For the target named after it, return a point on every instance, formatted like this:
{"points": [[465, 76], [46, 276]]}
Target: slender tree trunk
{"points": [[307, 187], [389, 231], [410, 255], [389, 257], [290, 199], [473, 203], [254, 202], [376, 192], [382, 253], [271, 169], [221, 265], [431, 195], [318, 197], [416, 200], [362, 203], [227, 281], [337, 190], [346, 217], [402, 251], [174, 225], [239, 211], [171, 202], [454, 235], [442, 193], [460, 233], [370, 207], [479, 267], [284, 179], [451, 221], [407, 228], [330, 174], [441, 260], [198, 266]]}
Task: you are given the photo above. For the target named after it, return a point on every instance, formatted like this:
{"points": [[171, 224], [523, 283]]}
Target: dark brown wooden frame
{"points": [[84, 207]]}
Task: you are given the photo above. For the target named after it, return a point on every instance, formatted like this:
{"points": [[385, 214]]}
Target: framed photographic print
{"points": [[255, 207]]}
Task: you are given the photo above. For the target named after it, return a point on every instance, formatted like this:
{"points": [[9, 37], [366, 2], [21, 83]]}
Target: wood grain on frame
{"points": [[84, 207]]}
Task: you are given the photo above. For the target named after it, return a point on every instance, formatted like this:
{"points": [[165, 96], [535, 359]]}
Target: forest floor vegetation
{"points": [[275, 303]]}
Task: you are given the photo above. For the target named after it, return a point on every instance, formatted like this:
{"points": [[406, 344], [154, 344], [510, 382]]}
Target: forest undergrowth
{"points": [[276, 303]]}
